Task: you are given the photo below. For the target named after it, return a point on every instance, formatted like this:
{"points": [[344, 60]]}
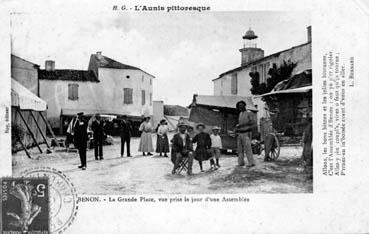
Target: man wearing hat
{"points": [[244, 129], [80, 139], [98, 129], [125, 136], [182, 147]]}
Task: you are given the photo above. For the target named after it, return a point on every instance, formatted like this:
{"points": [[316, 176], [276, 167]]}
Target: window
{"points": [[143, 97], [221, 83], [150, 99], [73, 92], [143, 78], [150, 81], [127, 96], [234, 84], [261, 73]]}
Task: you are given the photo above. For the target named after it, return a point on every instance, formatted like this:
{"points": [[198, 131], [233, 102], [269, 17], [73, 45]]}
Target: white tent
{"points": [[25, 99]]}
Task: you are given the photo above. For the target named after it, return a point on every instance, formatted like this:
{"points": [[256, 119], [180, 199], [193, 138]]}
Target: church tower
{"points": [[250, 52]]}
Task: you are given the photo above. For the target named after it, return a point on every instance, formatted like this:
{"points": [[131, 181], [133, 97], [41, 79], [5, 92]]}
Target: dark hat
{"points": [[216, 128], [80, 113], [239, 102], [199, 125], [163, 121], [182, 123]]}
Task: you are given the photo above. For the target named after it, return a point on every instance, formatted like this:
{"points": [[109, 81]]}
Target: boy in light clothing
{"points": [[216, 145]]}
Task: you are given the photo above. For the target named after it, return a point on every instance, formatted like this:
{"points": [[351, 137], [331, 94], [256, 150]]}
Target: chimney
{"points": [[99, 54], [309, 33], [49, 65]]}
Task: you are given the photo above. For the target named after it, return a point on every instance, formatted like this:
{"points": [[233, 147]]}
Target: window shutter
{"points": [[234, 84], [127, 96], [143, 97], [70, 94], [130, 96]]}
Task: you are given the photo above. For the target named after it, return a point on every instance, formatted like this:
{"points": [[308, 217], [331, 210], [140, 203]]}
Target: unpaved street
{"points": [[151, 174]]}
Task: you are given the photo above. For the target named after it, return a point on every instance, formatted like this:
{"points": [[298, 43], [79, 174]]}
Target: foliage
{"points": [[275, 75]]}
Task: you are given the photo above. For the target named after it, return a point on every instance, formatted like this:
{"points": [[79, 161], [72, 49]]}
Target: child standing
{"points": [[216, 145], [203, 145]]}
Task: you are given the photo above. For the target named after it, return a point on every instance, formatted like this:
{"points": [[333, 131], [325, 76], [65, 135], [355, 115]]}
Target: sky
{"points": [[184, 51]]}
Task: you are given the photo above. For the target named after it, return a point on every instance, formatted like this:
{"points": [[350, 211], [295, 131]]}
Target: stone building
{"points": [[106, 87], [237, 80]]}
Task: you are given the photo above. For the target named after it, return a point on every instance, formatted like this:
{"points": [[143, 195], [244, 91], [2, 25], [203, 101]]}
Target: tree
{"points": [[276, 75]]}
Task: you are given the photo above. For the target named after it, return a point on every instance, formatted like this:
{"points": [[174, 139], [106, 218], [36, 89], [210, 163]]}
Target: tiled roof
{"points": [[259, 60], [106, 62], [72, 75], [98, 60]]}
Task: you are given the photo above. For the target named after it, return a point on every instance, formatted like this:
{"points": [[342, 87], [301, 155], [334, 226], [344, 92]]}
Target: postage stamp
{"points": [[63, 197], [25, 205]]}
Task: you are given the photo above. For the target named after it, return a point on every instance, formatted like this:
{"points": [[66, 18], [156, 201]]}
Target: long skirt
{"points": [[202, 154], [146, 142], [162, 144]]}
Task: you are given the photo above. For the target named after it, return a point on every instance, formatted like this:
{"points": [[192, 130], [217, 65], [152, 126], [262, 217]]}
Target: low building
{"points": [[28, 110], [106, 87]]}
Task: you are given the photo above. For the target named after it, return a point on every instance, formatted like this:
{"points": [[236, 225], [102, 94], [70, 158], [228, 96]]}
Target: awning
{"points": [[296, 90], [102, 112], [25, 99]]}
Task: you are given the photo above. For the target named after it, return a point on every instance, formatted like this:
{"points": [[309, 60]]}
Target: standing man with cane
{"points": [[244, 130], [80, 139]]}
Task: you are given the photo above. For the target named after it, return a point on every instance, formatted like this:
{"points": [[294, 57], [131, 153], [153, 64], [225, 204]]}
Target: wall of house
{"points": [[113, 81], [105, 96], [300, 55], [26, 73], [55, 93], [158, 112]]}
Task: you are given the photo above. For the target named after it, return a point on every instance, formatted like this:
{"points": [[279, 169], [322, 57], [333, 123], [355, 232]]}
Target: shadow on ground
{"points": [[282, 172]]}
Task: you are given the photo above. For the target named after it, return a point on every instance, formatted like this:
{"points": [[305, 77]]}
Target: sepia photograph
{"points": [[165, 103]]}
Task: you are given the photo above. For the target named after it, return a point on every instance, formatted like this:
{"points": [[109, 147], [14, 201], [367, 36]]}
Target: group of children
{"points": [[207, 145]]}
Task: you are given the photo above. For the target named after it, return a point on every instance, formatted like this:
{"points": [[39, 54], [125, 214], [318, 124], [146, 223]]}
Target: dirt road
{"points": [[151, 174]]}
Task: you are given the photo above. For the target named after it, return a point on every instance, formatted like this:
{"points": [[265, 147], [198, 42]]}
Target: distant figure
{"points": [[70, 133], [80, 139], [98, 129], [162, 143], [243, 129], [182, 147], [307, 139], [125, 136], [216, 145], [202, 152], [191, 132], [146, 138]]}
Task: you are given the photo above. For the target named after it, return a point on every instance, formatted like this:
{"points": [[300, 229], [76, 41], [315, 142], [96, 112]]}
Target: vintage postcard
{"points": [[141, 116]]}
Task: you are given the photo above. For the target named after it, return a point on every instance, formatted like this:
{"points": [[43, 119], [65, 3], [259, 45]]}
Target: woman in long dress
{"points": [[162, 143], [146, 139]]}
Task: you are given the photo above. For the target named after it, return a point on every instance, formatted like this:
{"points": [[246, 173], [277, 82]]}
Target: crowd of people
{"points": [[198, 145]]}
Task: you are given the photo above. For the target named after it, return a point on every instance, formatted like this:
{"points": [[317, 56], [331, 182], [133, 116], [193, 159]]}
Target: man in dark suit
{"points": [[182, 147], [125, 135], [98, 129], [80, 139]]}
